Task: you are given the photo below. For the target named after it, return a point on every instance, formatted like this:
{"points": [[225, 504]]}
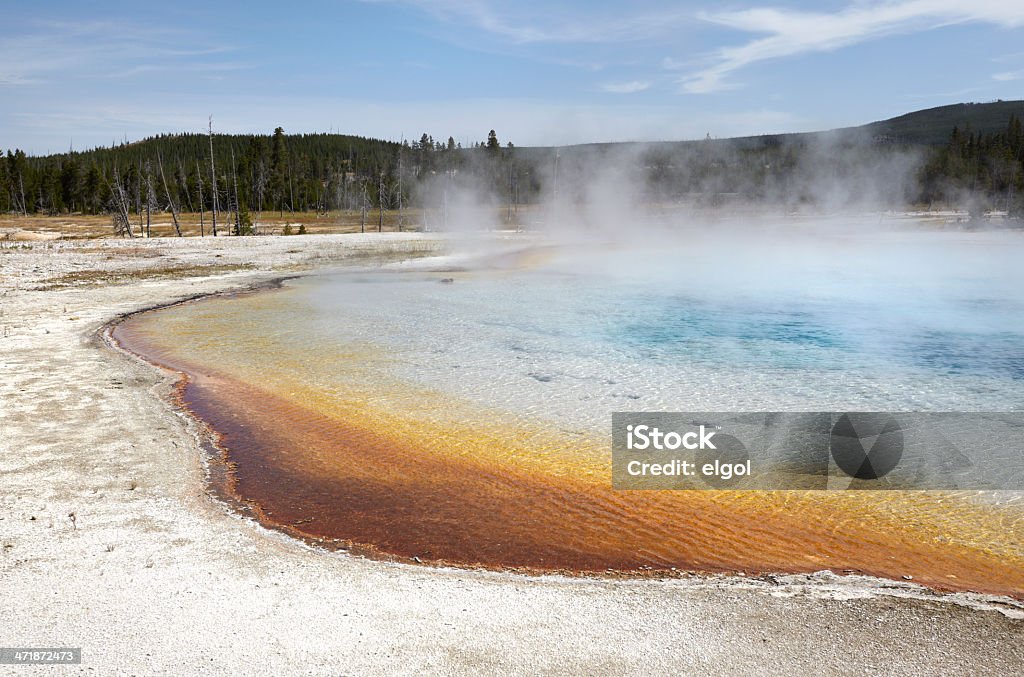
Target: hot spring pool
{"points": [[467, 422]]}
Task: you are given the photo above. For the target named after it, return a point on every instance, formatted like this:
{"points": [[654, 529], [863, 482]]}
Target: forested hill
{"points": [[355, 153], [935, 156], [933, 126], [274, 170]]}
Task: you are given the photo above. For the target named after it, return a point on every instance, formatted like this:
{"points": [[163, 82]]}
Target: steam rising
{"points": [[627, 192], [807, 235]]}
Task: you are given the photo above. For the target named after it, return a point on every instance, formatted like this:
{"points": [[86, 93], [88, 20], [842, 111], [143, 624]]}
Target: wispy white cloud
{"points": [[47, 50], [625, 87], [790, 32], [551, 25], [146, 68], [945, 96], [1012, 57], [1008, 76], [15, 79]]}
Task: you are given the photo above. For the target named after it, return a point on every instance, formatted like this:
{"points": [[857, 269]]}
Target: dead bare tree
{"points": [[202, 206], [400, 224], [21, 185], [138, 195], [291, 188], [234, 176], [213, 179], [150, 198], [261, 186], [363, 208], [122, 206], [380, 203], [170, 200]]}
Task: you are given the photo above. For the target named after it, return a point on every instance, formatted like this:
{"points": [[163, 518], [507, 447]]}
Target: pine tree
{"points": [[278, 169]]}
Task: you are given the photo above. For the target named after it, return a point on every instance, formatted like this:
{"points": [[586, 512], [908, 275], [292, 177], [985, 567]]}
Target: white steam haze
{"points": [[828, 248], [625, 192]]}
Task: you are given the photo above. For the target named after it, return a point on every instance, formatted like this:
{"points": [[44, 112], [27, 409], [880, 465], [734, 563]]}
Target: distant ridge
{"points": [[929, 127], [932, 127]]}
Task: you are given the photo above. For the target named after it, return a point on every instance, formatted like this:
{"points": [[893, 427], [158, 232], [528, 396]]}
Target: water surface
{"points": [[469, 422]]}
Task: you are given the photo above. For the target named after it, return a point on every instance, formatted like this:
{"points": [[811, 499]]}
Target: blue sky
{"points": [[547, 72]]}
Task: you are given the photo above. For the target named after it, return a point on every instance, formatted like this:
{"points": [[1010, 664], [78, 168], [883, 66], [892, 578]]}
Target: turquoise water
{"points": [[899, 321]]}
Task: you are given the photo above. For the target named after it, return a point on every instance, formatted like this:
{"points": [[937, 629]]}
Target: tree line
{"points": [[274, 172], [981, 171], [277, 172], [240, 174]]}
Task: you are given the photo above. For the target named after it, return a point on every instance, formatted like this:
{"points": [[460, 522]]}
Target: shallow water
{"points": [[469, 422]]}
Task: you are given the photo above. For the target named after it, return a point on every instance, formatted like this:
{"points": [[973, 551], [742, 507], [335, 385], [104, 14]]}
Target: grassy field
{"points": [[161, 224], [84, 226]]}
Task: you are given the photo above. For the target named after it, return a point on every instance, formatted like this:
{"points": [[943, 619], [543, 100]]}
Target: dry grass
{"points": [[80, 278], [83, 226]]}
